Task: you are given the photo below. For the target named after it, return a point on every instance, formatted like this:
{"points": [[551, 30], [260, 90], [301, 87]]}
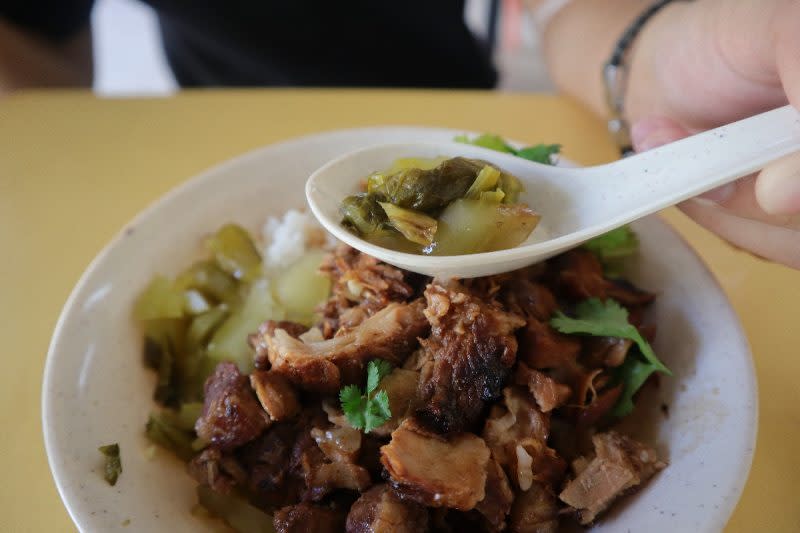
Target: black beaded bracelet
{"points": [[615, 79]]}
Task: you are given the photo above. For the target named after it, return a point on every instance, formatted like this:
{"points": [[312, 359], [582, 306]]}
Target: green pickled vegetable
{"points": [[187, 415], [169, 429], [235, 252], [423, 209], [161, 299], [613, 248], [198, 365], [492, 197], [194, 302], [392, 239], [363, 213], [234, 510], [165, 352], [404, 163], [485, 181], [426, 190], [511, 186], [300, 288], [113, 465], [474, 226], [514, 224], [204, 325], [209, 280], [229, 342], [415, 226]]}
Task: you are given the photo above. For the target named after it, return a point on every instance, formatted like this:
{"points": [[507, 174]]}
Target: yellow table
{"points": [[74, 169]]}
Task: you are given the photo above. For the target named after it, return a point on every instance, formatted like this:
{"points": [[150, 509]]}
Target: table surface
{"points": [[74, 169]]}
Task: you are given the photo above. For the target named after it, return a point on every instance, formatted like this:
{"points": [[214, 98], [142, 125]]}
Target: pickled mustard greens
{"points": [[440, 207], [204, 315], [234, 510], [113, 464]]}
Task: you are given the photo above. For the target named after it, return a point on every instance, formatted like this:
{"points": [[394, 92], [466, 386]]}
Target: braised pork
{"points": [[436, 471], [389, 334], [380, 510], [231, 415], [472, 348], [620, 463]]}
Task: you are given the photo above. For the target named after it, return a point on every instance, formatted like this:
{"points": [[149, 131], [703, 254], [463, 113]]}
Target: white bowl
{"points": [[96, 390]]}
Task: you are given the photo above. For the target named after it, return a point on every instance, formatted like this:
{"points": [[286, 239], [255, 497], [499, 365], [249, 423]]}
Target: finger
{"points": [[740, 198], [775, 243], [652, 132], [777, 190], [787, 50]]}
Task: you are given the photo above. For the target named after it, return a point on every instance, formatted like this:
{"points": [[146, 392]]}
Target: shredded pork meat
{"points": [[276, 395], [390, 334], [434, 470], [548, 393], [306, 517], [232, 415], [380, 510], [620, 463], [534, 511], [361, 286], [472, 349], [488, 404]]}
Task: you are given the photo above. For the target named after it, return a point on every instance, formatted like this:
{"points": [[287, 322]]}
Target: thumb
{"points": [[778, 186]]}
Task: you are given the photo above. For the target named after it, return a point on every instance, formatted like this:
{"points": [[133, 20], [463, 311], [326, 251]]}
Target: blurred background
{"points": [[129, 60]]}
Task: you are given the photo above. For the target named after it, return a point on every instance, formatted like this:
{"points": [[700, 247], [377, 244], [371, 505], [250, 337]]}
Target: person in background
{"points": [[692, 65]]}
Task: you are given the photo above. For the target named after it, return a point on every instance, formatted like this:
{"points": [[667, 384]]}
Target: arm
{"points": [[27, 60], [578, 40], [697, 65]]}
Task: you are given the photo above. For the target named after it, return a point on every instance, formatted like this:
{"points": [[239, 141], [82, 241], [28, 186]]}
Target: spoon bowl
{"points": [[575, 204]]}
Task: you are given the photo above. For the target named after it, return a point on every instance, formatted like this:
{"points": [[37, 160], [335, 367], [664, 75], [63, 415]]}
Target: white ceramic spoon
{"points": [[576, 204]]}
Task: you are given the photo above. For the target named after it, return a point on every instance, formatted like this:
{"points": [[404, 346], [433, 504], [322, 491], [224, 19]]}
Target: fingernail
{"points": [[720, 194]]}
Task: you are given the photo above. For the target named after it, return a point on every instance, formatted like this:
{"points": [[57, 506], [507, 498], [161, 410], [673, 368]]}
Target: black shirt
{"points": [[366, 43]]}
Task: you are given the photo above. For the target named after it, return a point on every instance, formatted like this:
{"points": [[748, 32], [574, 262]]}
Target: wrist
{"points": [[653, 57]]}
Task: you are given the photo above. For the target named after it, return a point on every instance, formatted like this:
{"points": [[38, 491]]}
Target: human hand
{"points": [[699, 65]]}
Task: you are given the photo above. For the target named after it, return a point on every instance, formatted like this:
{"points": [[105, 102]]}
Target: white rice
{"points": [[286, 238]]}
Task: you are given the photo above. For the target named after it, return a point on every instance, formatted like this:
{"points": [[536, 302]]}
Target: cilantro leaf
{"points": [[540, 153], [606, 319], [487, 140], [610, 319], [376, 371], [632, 374], [353, 405], [367, 411], [377, 411]]}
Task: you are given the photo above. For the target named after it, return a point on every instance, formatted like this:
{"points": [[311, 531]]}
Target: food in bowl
{"points": [[369, 397]]}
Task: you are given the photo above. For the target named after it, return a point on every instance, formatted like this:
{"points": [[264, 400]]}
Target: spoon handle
{"points": [[664, 176]]}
